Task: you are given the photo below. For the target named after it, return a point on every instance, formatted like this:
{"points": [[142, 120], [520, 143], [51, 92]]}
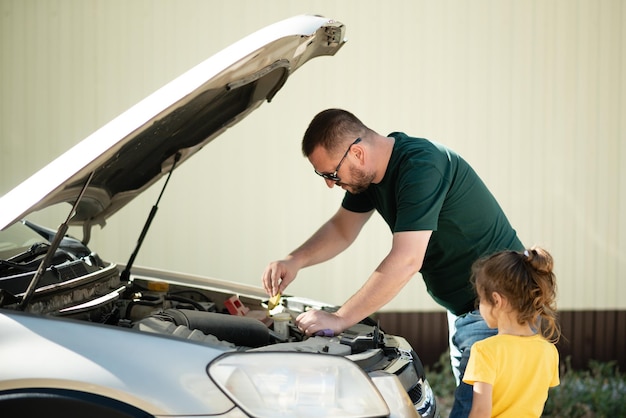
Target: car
{"points": [[84, 336]]}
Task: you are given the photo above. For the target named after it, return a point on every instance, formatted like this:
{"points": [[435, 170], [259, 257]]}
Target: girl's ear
{"points": [[498, 299]]}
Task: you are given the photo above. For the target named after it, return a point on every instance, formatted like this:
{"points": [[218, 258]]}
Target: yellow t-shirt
{"points": [[520, 369]]}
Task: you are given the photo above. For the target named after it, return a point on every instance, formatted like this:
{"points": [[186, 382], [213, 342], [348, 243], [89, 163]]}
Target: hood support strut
{"points": [[125, 275], [52, 249]]}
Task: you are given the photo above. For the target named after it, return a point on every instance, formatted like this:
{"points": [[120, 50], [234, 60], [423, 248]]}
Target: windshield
{"points": [[16, 239]]}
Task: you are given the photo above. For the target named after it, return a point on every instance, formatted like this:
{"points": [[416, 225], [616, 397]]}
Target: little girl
{"points": [[512, 371]]}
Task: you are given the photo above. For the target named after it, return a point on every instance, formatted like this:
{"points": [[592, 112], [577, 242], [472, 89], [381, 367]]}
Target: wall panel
{"points": [[586, 335], [532, 93]]}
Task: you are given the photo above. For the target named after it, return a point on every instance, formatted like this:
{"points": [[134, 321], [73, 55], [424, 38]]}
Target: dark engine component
{"points": [[238, 330], [361, 337]]}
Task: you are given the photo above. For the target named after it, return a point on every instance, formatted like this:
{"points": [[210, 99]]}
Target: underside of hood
{"points": [[133, 151]]}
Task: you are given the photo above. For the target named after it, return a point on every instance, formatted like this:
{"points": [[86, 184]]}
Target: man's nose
{"points": [[330, 183]]}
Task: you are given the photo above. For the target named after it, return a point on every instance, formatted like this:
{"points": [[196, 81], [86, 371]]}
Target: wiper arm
{"points": [[17, 261], [52, 249], [34, 250]]}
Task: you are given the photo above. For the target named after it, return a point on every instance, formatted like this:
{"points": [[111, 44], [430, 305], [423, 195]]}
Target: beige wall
{"points": [[532, 93]]}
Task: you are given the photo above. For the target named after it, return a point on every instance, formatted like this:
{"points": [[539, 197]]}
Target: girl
{"points": [[512, 371]]}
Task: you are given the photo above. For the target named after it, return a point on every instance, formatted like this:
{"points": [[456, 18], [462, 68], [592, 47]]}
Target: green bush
{"points": [[598, 392]]}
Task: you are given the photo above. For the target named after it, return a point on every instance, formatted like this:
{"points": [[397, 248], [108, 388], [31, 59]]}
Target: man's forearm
{"points": [[381, 287], [394, 272], [337, 234], [321, 246]]}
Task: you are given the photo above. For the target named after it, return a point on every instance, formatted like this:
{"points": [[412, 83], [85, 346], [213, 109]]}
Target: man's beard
{"points": [[361, 180]]}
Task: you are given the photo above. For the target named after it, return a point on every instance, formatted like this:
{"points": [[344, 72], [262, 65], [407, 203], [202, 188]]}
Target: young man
{"points": [[441, 214]]}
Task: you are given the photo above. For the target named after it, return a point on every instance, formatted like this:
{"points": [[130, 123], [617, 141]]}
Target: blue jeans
{"points": [[464, 331]]}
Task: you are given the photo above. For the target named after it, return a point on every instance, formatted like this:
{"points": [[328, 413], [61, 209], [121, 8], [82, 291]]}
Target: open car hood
{"points": [[137, 148]]}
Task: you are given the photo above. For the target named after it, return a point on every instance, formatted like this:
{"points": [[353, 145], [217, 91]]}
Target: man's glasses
{"points": [[333, 176]]}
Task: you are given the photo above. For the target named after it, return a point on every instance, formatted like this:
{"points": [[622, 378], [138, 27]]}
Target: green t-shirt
{"points": [[428, 187]]}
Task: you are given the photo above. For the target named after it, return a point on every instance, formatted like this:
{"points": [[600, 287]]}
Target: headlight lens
{"points": [[297, 384]]}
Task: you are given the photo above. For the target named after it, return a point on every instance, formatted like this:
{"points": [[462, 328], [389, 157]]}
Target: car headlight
{"points": [[297, 384]]}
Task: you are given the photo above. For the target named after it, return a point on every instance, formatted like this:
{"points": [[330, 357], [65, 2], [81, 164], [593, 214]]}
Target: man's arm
{"points": [[403, 261], [329, 240]]}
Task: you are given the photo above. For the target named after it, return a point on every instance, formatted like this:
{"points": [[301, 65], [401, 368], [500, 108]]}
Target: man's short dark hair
{"points": [[328, 128]]}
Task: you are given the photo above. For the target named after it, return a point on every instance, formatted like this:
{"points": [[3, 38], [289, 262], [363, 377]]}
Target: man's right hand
{"points": [[278, 275]]}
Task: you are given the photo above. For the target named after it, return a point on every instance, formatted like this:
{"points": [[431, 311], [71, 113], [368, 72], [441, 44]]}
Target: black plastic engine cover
{"points": [[238, 330]]}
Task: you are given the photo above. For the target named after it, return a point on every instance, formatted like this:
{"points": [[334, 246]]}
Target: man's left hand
{"points": [[315, 320]]}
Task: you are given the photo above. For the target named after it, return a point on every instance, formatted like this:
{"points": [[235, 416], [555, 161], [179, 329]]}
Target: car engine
{"points": [[79, 285]]}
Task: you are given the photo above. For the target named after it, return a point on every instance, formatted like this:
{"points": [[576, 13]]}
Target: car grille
{"points": [[415, 393]]}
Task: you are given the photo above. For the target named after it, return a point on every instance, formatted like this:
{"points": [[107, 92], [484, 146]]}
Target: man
{"points": [[441, 214]]}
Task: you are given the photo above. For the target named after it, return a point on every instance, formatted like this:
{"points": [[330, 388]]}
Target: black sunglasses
{"points": [[333, 176]]}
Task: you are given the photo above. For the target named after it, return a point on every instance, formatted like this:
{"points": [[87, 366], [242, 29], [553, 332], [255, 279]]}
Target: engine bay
{"points": [[89, 289], [79, 285], [234, 320]]}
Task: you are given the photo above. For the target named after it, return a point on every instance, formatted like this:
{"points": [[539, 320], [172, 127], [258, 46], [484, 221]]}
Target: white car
{"points": [[85, 337]]}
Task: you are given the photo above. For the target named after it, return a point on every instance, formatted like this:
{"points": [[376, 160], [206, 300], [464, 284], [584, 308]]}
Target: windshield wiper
{"points": [[45, 263], [18, 261]]}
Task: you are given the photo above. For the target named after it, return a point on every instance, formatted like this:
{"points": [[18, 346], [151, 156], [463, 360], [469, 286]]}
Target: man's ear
{"points": [[359, 152]]}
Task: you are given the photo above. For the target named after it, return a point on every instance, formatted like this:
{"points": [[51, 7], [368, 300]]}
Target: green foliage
{"points": [[598, 392]]}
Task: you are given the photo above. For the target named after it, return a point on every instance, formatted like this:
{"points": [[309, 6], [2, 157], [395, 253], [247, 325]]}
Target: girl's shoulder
{"points": [[518, 340]]}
